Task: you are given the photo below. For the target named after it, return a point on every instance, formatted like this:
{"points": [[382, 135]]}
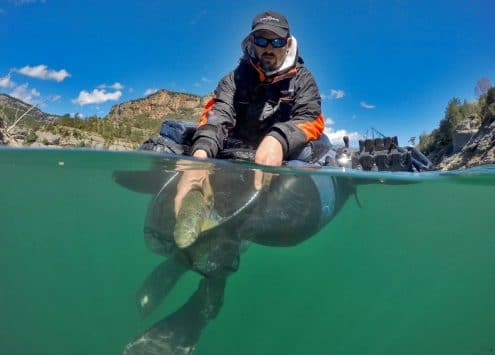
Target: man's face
{"points": [[270, 58]]}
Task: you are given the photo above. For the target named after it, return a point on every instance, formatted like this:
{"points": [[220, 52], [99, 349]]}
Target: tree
{"points": [[482, 86], [488, 106]]}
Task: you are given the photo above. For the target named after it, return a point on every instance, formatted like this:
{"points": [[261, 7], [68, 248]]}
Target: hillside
{"points": [[161, 104], [11, 107], [465, 136], [126, 126]]}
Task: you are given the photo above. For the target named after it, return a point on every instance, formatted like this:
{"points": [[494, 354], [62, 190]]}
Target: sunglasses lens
{"points": [[278, 42], [261, 41]]}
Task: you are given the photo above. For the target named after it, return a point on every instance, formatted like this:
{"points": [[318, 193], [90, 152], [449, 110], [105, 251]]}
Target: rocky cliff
{"points": [[159, 105], [478, 150]]}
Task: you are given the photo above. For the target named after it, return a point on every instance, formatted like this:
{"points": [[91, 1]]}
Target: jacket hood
{"points": [[289, 62]]}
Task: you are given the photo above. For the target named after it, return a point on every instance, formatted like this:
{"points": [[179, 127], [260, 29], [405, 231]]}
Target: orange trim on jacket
{"points": [[272, 79], [288, 74], [314, 129], [261, 73], [206, 111]]}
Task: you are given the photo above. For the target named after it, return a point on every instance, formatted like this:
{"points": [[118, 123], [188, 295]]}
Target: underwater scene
{"points": [[94, 259]]}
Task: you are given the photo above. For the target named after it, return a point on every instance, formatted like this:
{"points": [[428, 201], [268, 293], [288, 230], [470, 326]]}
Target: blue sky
{"points": [[392, 65]]}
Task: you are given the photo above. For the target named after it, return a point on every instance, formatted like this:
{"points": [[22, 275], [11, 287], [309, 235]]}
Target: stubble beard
{"points": [[268, 64]]}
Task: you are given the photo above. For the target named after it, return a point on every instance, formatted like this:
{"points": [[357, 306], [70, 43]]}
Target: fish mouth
{"points": [[184, 240]]}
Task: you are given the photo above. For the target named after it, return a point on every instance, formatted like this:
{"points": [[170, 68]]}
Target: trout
{"points": [[195, 216]]}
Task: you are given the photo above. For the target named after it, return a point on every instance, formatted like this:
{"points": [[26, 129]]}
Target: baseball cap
{"points": [[271, 21]]}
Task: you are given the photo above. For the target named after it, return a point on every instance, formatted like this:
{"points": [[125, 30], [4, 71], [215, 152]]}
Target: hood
{"points": [[289, 62]]}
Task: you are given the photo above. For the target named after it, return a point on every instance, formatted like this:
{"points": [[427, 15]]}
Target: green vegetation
{"points": [[135, 131], [31, 137], [8, 115], [480, 112], [85, 131]]}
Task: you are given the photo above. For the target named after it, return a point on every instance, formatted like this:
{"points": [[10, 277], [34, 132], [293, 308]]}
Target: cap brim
{"points": [[277, 30]]}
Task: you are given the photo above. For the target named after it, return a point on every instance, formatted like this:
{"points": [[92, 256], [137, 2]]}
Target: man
{"points": [[270, 103]]}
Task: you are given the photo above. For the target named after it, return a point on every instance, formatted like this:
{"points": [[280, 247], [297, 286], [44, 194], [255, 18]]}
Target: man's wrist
{"points": [[281, 139]]}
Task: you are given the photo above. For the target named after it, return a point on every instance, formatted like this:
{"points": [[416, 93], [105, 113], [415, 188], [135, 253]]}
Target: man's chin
{"points": [[268, 66]]}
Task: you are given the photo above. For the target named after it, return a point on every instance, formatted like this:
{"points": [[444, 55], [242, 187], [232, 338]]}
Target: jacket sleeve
{"points": [[306, 121], [217, 119]]}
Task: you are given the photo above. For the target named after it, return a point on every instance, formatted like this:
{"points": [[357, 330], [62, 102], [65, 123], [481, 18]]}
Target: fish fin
{"points": [[212, 221]]}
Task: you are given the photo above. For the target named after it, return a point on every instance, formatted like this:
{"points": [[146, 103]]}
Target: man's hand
{"points": [[270, 153], [201, 154], [193, 179]]}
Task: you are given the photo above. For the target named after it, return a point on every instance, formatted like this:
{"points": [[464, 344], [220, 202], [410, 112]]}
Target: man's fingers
{"points": [[191, 179], [258, 180], [267, 179], [262, 179], [178, 202]]}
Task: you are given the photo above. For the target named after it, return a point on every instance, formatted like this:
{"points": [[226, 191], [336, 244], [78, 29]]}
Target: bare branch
{"points": [[22, 116]]}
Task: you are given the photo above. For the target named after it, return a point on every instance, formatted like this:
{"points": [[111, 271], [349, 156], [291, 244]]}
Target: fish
{"points": [[194, 217]]}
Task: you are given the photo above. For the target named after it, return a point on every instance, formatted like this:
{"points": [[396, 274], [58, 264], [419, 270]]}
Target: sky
{"points": [[392, 65]]}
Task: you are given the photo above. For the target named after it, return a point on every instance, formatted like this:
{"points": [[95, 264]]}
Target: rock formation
{"points": [[160, 105], [478, 150]]}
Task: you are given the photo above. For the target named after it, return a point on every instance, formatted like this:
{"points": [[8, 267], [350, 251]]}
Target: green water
{"points": [[411, 271]]}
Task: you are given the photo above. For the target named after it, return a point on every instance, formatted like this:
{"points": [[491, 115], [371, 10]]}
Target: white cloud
{"points": [[203, 80], [115, 86], [42, 72], [97, 96], [150, 91], [337, 94], [5, 82], [23, 93], [336, 136], [329, 121], [54, 98], [366, 106]]}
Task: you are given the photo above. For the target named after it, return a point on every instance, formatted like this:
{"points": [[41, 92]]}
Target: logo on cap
{"points": [[268, 18]]}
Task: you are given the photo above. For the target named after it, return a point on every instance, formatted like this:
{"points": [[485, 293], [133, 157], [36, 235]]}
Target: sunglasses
{"points": [[275, 42]]}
